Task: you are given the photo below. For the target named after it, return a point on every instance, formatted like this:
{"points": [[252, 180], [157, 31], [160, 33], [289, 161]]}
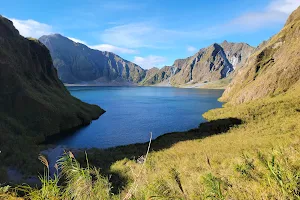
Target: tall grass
{"points": [[70, 182], [278, 172]]}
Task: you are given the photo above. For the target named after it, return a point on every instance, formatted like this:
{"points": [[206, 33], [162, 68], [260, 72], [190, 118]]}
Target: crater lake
{"points": [[133, 112]]}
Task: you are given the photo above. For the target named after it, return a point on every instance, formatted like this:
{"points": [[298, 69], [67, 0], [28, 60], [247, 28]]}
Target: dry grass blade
{"points": [[44, 160], [208, 161], [135, 184], [71, 155]]}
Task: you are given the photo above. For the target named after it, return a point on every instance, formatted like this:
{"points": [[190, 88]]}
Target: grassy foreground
{"points": [[259, 159], [222, 159]]}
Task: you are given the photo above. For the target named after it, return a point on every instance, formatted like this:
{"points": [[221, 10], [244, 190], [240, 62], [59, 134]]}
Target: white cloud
{"points": [[32, 28], [255, 21], [150, 61], [192, 49], [284, 6], [275, 13], [151, 35], [106, 47], [114, 49], [77, 40], [141, 35], [129, 35]]}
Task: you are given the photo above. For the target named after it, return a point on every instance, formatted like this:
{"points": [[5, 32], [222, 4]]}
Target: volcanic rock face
{"points": [[34, 102], [159, 76], [209, 64], [272, 69], [236, 53], [77, 63]]}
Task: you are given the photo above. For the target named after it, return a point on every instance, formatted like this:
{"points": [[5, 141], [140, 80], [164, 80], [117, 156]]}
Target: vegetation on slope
{"points": [[34, 102], [272, 69], [220, 84]]}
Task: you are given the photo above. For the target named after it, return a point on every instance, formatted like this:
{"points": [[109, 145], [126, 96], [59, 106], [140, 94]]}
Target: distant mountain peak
{"points": [[77, 63], [225, 41], [56, 35], [80, 64], [212, 63]]}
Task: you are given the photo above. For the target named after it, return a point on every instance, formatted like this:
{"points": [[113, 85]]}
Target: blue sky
{"points": [[151, 32]]}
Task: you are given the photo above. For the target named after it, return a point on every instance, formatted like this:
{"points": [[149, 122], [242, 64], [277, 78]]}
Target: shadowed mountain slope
{"points": [[77, 63], [34, 102]]}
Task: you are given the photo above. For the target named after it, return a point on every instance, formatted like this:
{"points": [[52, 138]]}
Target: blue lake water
{"points": [[133, 112]]}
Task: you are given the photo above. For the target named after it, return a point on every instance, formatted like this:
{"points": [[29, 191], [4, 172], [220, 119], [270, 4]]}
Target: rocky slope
{"points": [[77, 63], [151, 72], [210, 64], [34, 102], [236, 53], [156, 76], [273, 68]]}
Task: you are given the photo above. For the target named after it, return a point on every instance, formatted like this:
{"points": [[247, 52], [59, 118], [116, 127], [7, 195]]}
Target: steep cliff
{"points": [[237, 53], [210, 64], [77, 63], [34, 102]]}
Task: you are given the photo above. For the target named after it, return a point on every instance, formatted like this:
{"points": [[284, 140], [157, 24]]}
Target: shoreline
{"points": [[195, 86]]}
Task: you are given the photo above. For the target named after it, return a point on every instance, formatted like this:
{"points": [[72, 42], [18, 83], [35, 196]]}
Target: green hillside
{"points": [[34, 102]]}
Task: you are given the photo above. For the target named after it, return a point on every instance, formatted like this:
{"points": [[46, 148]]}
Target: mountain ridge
{"points": [[77, 63], [209, 64], [106, 68]]}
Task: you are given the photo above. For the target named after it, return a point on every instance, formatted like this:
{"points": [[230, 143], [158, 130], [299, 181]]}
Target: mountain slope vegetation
{"points": [[272, 69], [34, 102]]}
